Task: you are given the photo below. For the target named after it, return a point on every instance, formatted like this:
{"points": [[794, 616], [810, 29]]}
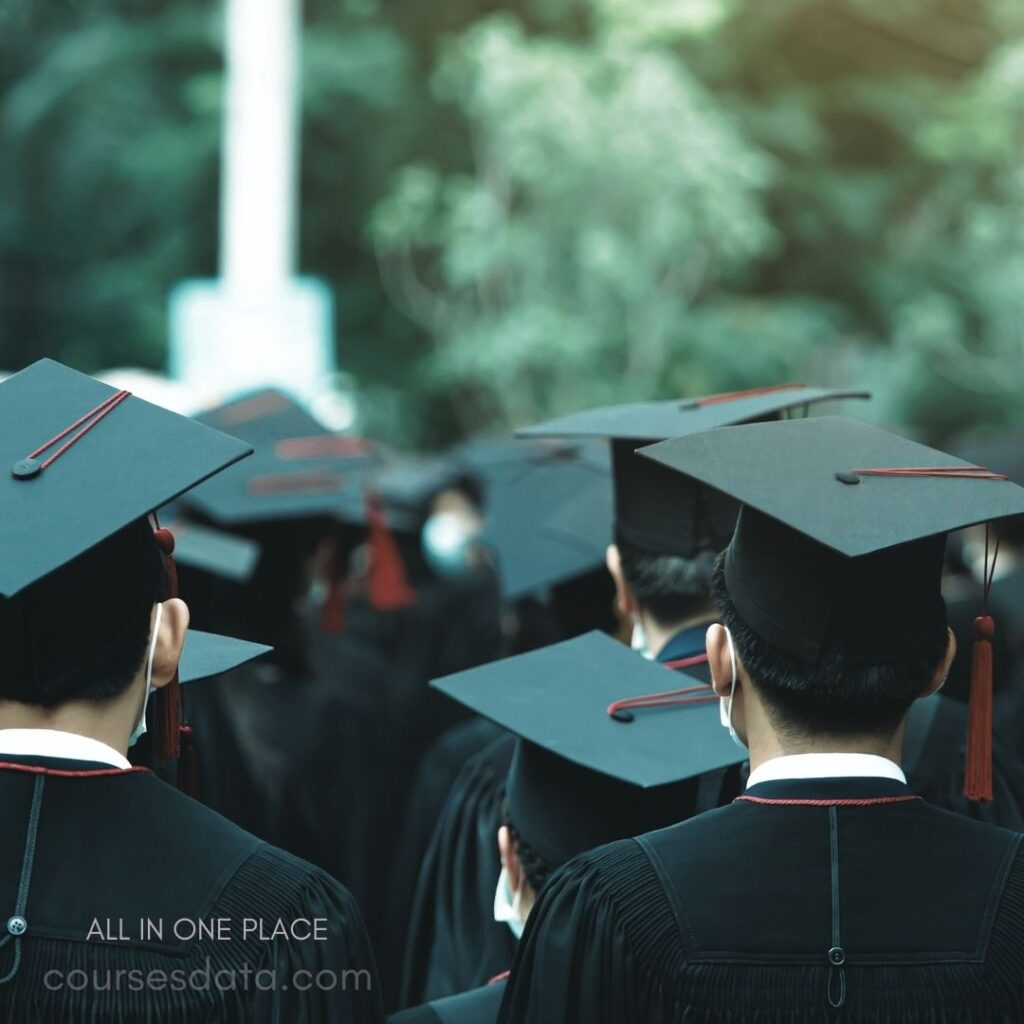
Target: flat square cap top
{"points": [[533, 553], [793, 471], [132, 460], [650, 421], [557, 698], [263, 416], [207, 655]]}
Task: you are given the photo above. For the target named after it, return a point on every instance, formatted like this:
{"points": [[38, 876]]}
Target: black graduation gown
{"points": [[454, 625], [287, 759], [119, 858], [436, 774], [480, 1006], [801, 892], [1006, 602], [454, 943], [934, 759]]}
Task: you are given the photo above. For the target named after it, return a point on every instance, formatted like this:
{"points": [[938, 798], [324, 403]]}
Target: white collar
{"points": [[826, 766], [54, 743]]}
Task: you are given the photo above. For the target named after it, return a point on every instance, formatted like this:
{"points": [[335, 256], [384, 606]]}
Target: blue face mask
{"points": [[140, 727], [447, 544], [725, 704]]}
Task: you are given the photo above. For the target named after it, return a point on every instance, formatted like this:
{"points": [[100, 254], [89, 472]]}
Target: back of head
{"points": [[81, 631], [670, 588], [557, 809], [840, 692]]}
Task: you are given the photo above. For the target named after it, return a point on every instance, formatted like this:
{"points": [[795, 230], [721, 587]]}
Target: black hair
{"points": [[839, 695], [535, 867], [127, 656], [670, 588]]}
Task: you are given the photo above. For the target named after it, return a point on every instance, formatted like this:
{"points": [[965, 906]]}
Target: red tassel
{"points": [[334, 611], [978, 777], [188, 764], [167, 742], [389, 588]]}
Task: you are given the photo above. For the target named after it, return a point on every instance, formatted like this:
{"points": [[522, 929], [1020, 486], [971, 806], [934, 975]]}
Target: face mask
{"points": [[140, 726], [639, 641], [447, 542], [725, 704], [507, 906]]}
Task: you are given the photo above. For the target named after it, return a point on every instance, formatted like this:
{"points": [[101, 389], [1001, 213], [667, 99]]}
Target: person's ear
{"points": [[716, 642], [945, 665], [625, 602], [170, 641], [510, 858]]}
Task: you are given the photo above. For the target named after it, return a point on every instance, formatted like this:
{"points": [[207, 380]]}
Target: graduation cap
{"points": [[80, 565], [263, 416], [207, 655], [654, 510], [579, 778], [840, 542], [289, 478], [226, 555], [525, 482]]}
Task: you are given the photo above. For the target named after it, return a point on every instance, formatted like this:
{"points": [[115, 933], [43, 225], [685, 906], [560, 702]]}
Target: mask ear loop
{"points": [[732, 659], [152, 651], [726, 703]]}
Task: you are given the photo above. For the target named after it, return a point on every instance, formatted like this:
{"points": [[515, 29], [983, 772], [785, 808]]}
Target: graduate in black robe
{"points": [[124, 899], [566, 791], [828, 890], [660, 537]]}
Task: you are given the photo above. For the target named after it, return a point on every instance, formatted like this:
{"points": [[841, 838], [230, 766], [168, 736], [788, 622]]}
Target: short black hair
{"points": [[535, 867], [127, 656], [670, 588], [837, 696]]}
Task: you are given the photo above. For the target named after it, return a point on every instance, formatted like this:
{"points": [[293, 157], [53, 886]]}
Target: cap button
{"points": [[26, 469], [622, 715], [17, 925], [848, 478]]}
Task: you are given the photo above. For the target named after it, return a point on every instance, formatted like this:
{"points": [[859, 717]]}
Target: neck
{"points": [[766, 741], [657, 635], [109, 721]]}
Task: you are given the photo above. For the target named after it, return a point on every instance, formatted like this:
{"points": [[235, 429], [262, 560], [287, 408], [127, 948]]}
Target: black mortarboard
{"points": [[208, 654], [289, 477], [653, 509], [78, 559], [1003, 451], [526, 482], [829, 553], [579, 778], [263, 416], [408, 487], [226, 555]]}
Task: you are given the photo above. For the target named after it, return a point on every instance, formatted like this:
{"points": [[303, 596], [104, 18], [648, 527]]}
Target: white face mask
{"points": [[140, 726], [639, 641], [447, 542], [725, 704], [508, 905]]}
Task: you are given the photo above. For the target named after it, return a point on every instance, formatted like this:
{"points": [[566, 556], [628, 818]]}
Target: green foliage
{"points": [[530, 207], [610, 193]]}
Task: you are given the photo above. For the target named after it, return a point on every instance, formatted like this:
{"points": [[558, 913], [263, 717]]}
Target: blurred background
{"points": [[508, 210]]}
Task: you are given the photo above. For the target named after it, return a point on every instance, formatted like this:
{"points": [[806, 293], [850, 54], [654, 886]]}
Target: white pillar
{"points": [[260, 151], [258, 324]]}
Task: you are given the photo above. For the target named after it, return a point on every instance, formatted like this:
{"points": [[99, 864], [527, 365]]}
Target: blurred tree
{"points": [[536, 205], [697, 194], [611, 196]]}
